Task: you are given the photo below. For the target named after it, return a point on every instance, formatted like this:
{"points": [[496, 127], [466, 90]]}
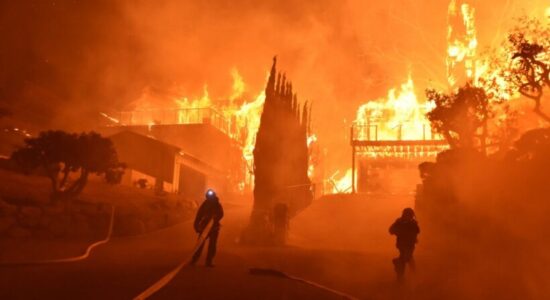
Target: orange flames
{"points": [[311, 142], [462, 43], [248, 117], [341, 183], [463, 62], [239, 121], [237, 118], [399, 116]]}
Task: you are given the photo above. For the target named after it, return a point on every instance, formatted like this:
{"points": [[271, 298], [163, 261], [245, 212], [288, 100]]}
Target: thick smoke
{"points": [[62, 62]]}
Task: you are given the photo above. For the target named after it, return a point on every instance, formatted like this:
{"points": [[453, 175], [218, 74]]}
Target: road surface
{"points": [[125, 267]]}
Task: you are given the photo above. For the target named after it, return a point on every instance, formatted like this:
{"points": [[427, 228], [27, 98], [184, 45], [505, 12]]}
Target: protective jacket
{"points": [[406, 232], [210, 209]]}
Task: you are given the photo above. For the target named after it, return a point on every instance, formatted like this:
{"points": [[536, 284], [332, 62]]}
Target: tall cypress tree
{"points": [[280, 155]]}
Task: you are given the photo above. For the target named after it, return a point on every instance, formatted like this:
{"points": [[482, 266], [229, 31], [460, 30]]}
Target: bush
{"points": [[61, 155]]}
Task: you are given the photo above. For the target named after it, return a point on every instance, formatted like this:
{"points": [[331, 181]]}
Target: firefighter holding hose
{"points": [[210, 210]]}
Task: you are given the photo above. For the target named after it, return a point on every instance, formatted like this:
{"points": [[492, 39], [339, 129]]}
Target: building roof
{"points": [[202, 141], [153, 157]]}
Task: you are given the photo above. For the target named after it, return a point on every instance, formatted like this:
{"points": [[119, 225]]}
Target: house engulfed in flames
{"points": [[207, 144], [390, 134]]}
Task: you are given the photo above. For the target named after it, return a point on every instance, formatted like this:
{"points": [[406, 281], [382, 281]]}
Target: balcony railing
{"points": [[378, 131], [204, 115]]}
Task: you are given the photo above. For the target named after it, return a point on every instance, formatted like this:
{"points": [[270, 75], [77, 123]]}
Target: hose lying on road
{"points": [[170, 275], [85, 255], [277, 273], [162, 282]]}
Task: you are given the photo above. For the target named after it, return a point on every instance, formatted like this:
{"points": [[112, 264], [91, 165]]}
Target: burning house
{"points": [[389, 138], [165, 167], [219, 135], [183, 150]]}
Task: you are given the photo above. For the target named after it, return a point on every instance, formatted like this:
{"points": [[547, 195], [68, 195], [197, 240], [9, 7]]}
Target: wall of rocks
{"points": [[87, 220]]}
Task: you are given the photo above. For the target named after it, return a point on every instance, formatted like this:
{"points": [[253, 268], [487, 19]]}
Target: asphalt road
{"points": [[341, 245], [125, 267]]}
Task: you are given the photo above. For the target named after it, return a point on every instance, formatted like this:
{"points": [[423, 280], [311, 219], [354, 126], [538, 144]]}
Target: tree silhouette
{"points": [[60, 154], [524, 62], [530, 68], [280, 154], [459, 115]]}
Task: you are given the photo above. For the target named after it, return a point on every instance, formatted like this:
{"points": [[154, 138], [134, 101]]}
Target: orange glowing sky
{"points": [[65, 61]]}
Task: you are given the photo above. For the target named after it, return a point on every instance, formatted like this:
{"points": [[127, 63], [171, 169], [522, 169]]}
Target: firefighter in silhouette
{"points": [[210, 210], [406, 230]]}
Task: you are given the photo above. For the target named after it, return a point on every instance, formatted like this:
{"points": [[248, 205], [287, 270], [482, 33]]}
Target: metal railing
{"points": [[203, 115], [371, 131]]}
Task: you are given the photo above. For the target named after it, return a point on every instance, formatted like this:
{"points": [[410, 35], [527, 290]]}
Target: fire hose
{"points": [[276, 273], [162, 282], [83, 256]]}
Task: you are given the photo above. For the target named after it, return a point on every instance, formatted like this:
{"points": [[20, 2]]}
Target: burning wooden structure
{"points": [[368, 153], [392, 134], [221, 133]]}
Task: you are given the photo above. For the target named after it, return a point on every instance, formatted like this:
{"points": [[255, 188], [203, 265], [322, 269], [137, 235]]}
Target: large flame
{"points": [[399, 116], [248, 117], [341, 183], [461, 43], [311, 145], [238, 86], [239, 121], [465, 64], [237, 117], [190, 110]]}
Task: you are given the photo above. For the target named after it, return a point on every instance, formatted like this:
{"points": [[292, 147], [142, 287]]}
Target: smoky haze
{"points": [[62, 62]]}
